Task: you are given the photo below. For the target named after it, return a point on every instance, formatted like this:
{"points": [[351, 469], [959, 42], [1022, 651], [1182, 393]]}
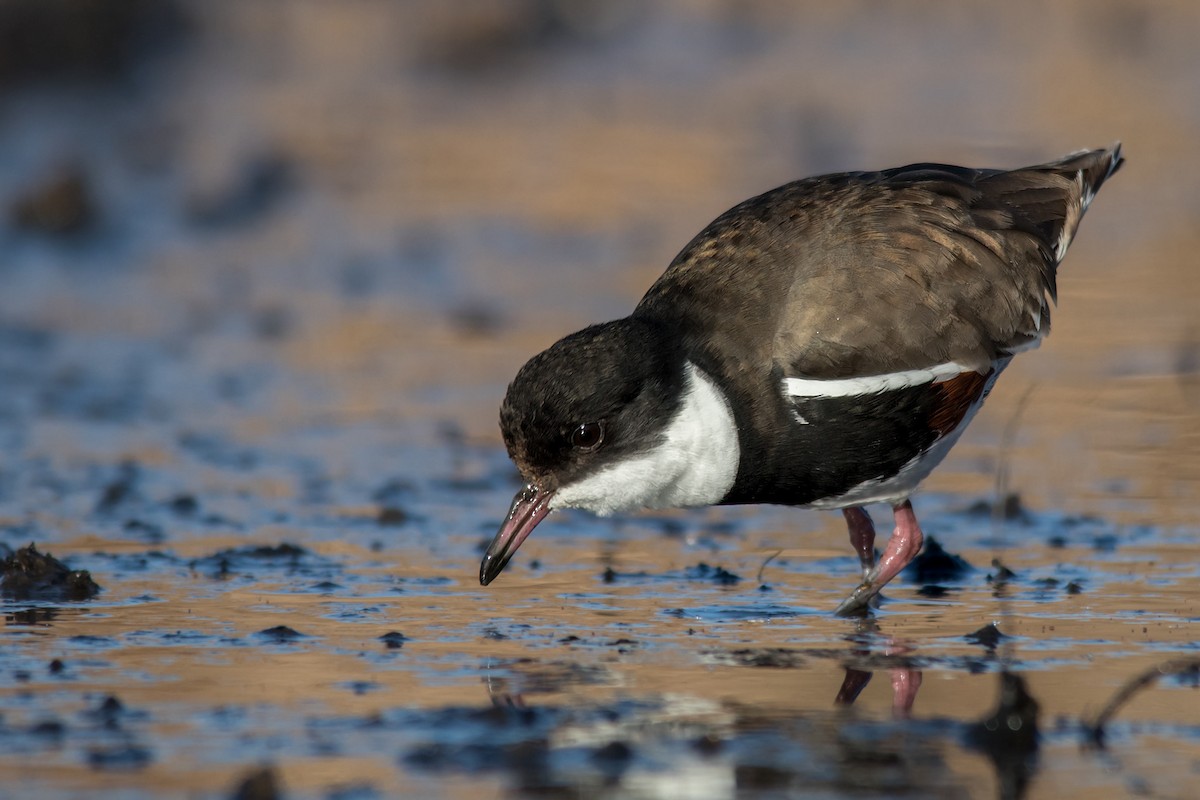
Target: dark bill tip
{"points": [[529, 507]]}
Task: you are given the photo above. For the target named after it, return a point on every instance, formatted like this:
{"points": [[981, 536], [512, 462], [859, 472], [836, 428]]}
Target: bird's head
{"points": [[583, 421]]}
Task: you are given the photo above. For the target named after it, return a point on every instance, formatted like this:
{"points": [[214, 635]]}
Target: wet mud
{"points": [[26, 574], [268, 268]]}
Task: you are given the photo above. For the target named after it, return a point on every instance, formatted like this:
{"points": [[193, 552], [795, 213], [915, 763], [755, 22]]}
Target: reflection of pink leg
{"points": [[862, 537], [906, 679], [906, 682], [901, 549]]}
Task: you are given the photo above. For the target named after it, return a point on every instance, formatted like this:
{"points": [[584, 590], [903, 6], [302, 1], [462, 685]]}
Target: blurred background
{"points": [[375, 211], [258, 215], [278, 261]]}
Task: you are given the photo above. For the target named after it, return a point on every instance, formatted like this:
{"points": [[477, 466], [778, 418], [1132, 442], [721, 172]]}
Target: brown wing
{"points": [[883, 271]]}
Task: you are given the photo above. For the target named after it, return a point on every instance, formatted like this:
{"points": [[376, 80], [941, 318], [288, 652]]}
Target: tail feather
{"points": [[1090, 171], [1049, 200]]}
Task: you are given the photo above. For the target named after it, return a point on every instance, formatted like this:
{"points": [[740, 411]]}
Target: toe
{"points": [[858, 602]]}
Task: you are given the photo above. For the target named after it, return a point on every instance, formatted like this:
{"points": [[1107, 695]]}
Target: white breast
{"points": [[695, 464]]}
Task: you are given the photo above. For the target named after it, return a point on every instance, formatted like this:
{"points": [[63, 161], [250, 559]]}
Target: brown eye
{"points": [[588, 436]]}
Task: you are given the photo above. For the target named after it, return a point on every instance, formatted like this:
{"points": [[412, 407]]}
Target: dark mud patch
{"points": [[217, 450], [252, 560], [280, 634], [135, 562], [773, 657], [60, 204], [260, 784], [935, 565], [697, 573], [259, 184], [888, 656], [989, 636], [38, 617], [1008, 508], [393, 640], [27, 574], [520, 677], [392, 517], [716, 575], [105, 735], [1001, 574]]}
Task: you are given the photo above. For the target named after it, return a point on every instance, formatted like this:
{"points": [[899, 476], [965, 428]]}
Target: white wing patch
{"points": [[871, 384]]}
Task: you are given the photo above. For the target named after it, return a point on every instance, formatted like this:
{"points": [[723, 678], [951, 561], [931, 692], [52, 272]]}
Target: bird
{"points": [[821, 345]]}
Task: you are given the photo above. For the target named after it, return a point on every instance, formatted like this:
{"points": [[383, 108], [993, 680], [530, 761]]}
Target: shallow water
{"points": [[254, 394]]}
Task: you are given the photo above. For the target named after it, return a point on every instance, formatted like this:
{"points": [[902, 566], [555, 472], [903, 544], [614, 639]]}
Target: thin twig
{"points": [[1179, 666], [770, 558], [1000, 502], [1007, 438]]}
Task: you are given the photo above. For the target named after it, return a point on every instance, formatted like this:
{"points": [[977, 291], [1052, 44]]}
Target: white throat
{"points": [[695, 464]]}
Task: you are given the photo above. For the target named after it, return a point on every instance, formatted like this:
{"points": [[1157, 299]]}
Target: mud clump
{"points": [[393, 640], [244, 560], [121, 758], [391, 517], [989, 636], [256, 188], [27, 574], [281, 634], [121, 489], [1002, 575], [260, 784], [1008, 508], [937, 565], [771, 657], [705, 572], [61, 204]]}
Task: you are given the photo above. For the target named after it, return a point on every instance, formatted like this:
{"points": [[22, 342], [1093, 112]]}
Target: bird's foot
{"points": [[901, 549], [859, 601]]}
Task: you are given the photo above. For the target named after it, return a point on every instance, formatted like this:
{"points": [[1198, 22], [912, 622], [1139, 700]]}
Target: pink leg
{"points": [[901, 549], [862, 537]]}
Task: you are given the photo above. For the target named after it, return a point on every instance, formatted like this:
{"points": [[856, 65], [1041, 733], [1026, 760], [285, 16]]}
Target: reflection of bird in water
{"points": [[823, 344], [906, 678]]}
